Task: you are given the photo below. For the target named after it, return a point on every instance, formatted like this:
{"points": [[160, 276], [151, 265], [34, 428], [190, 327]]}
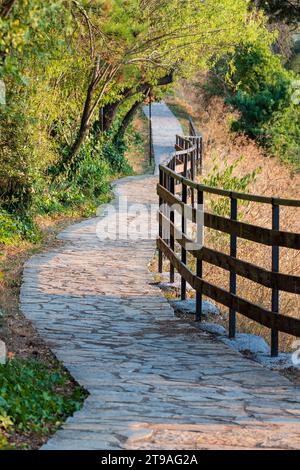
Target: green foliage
{"points": [[114, 155], [27, 30], [49, 54], [260, 85], [32, 397], [14, 228], [89, 178], [257, 84], [4, 445], [284, 135], [224, 178], [16, 160], [5, 423], [258, 109], [32, 36]]}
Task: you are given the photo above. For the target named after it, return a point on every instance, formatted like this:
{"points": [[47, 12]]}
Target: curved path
{"points": [[164, 127], [155, 382]]}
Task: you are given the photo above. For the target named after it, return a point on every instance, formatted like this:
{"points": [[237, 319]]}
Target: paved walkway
{"points": [[164, 127], [155, 382]]}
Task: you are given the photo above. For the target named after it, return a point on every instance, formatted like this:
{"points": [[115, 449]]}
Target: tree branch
{"points": [[6, 7]]}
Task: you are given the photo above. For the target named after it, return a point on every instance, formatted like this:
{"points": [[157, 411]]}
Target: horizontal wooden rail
{"points": [[252, 233], [243, 230], [233, 194], [283, 282], [180, 192], [254, 312]]}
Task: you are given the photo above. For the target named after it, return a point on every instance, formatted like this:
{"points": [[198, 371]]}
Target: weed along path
{"points": [[154, 381]]}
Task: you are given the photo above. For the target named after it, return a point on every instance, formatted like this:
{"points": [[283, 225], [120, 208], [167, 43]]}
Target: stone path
{"points": [[155, 382], [164, 128]]}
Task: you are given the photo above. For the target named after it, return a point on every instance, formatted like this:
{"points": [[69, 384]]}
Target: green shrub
{"points": [[284, 135], [4, 444], [260, 86], [87, 180], [225, 179], [33, 397], [16, 165], [256, 83], [257, 109], [14, 228], [90, 177], [114, 155]]}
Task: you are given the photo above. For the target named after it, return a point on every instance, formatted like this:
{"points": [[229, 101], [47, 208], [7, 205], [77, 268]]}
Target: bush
{"points": [[90, 177], [4, 445], [16, 228], [284, 135], [16, 166], [32, 397], [114, 154], [257, 109], [87, 180], [260, 88], [225, 179]]}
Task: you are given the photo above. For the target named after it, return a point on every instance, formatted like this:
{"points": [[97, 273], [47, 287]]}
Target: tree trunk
{"points": [[6, 7], [85, 120], [83, 130], [127, 120], [109, 111], [109, 114]]}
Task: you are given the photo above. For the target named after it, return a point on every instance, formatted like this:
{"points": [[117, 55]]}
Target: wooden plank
{"points": [[185, 151], [283, 282], [191, 213], [252, 232], [238, 195], [240, 229], [252, 311]]}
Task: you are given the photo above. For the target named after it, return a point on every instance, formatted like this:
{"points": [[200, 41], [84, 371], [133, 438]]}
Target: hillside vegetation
{"points": [[73, 75]]}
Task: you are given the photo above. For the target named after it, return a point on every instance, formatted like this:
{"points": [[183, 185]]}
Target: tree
{"points": [[29, 30], [134, 45], [75, 66], [6, 7], [287, 11]]}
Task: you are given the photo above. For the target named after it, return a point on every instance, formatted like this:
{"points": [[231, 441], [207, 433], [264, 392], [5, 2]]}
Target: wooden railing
{"points": [[179, 193]]}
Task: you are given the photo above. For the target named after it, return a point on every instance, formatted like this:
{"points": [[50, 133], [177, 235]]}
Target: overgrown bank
{"points": [[73, 74], [236, 162], [36, 393]]}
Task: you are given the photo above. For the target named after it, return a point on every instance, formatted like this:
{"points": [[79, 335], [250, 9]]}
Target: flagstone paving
{"points": [[154, 381]]}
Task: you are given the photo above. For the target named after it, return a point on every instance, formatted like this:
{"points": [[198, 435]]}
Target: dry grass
{"points": [[213, 117]]}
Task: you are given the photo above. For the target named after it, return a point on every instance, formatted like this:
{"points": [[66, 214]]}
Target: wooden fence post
{"points": [[193, 177], [232, 280], [172, 219], [275, 269], [183, 221], [160, 231], [199, 268]]}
